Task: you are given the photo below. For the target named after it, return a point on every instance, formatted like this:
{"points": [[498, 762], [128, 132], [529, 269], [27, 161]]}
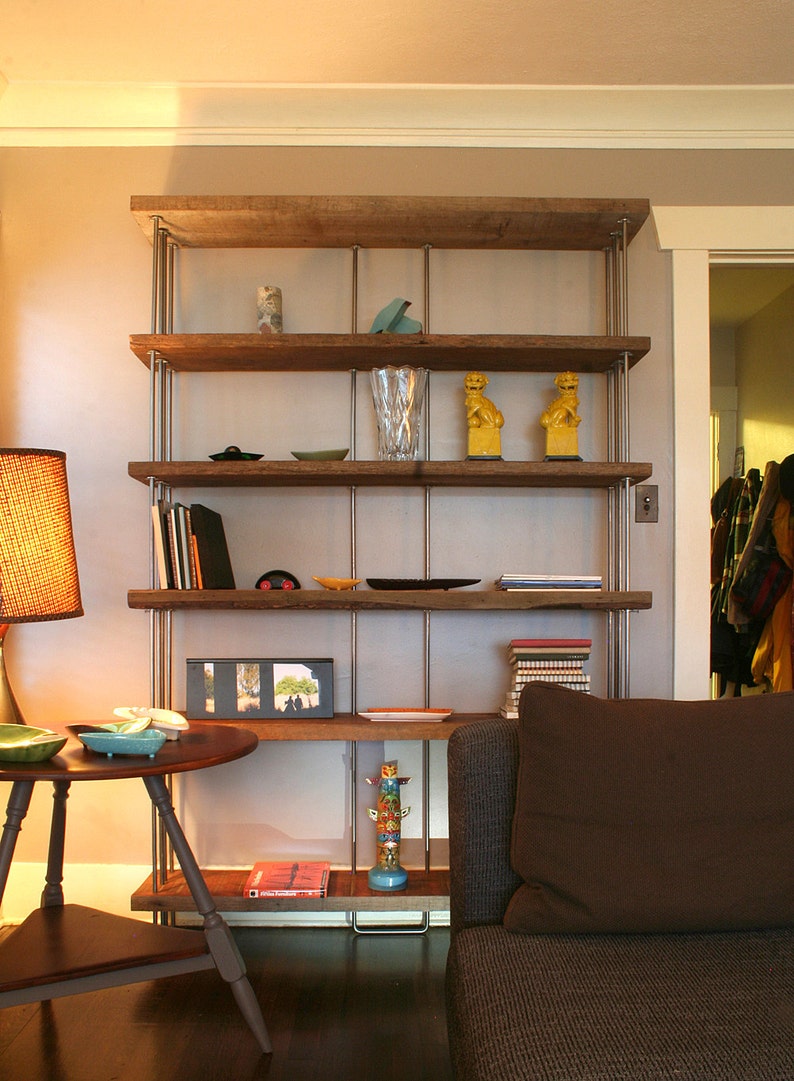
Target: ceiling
{"points": [[736, 293], [423, 72]]}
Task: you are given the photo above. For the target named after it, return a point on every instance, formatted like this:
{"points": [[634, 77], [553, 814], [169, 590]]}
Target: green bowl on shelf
{"points": [[320, 455], [21, 743]]}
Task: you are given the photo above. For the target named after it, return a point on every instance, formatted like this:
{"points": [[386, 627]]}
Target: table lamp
{"points": [[38, 568]]}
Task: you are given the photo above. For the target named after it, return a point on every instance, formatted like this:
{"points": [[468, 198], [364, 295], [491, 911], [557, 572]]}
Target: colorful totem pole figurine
{"points": [[387, 874]]}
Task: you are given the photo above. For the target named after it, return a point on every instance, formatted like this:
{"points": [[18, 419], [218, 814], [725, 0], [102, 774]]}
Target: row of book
{"points": [[190, 547], [288, 879], [554, 660], [549, 581]]}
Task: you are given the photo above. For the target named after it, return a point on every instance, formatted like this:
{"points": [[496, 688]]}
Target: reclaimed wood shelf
{"points": [[347, 727], [347, 892], [387, 600], [339, 221], [486, 474], [344, 352]]}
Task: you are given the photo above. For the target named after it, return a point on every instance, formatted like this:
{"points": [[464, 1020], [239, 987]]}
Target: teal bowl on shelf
{"points": [[22, 743], [148, 742]]}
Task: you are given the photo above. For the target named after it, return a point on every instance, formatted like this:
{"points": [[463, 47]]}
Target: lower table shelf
{"points": [[347, 892], [65, 949]]}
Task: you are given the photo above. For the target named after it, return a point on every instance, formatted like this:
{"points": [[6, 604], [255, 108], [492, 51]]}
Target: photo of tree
{"points": [[295, 688]]}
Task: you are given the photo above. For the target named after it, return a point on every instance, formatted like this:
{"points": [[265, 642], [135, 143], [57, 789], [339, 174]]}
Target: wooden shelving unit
{"points": [[529, 224]]}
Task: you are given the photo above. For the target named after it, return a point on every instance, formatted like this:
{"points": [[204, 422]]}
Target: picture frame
{"points": [[270, 688]]}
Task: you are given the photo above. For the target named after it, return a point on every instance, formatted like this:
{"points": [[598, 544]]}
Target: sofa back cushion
{"points": [[644, 815]]}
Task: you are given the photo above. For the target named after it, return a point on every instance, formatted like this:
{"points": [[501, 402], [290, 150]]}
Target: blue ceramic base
{"points": [[387, 881]]}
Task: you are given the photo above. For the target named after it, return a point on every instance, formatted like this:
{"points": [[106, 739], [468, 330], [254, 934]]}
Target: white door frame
{"points": [[696, 237]]}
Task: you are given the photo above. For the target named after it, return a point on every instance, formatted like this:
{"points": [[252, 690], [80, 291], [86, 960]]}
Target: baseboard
{"points": [[98, 885]]}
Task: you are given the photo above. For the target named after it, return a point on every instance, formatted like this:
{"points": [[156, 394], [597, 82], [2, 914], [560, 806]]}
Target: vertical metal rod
{"points": [[625, 489], [154, 638], [609, 290], [353, 806], [611, 498], [353, 565], [624, 275], [155, 271], [428, 523]]}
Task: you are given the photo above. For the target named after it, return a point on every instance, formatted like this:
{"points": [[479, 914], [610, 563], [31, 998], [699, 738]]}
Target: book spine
{"points": [[173, 547], [286, 893]]}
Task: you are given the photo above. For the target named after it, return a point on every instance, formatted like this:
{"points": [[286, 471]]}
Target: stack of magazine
{"points": [[190, 547], [554, 660], [549, 581]]}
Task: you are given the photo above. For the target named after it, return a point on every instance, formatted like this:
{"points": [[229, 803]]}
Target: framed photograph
{"points": [[271, 687]]}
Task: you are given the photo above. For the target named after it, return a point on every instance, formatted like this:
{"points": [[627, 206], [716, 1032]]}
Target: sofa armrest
{"points": [[483, 767]]}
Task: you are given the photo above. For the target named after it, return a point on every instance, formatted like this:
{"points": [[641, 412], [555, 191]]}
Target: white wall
{"points": [[765, 378], [75, 283]]}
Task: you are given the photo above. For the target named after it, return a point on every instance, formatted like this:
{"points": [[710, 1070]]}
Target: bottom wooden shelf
{"points": [[347, 892]]}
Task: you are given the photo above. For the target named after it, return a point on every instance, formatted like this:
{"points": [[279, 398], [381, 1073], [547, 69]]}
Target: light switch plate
{"points": [[646, 503]]}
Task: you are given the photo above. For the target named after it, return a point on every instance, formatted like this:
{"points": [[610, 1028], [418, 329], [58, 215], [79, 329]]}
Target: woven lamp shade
{"points": [[38, 568]]}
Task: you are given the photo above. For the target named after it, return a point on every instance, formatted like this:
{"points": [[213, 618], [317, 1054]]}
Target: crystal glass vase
{"points": [[398, 394]]}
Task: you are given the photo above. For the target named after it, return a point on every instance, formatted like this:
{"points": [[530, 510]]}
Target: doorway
{"points": [[698, 237]]}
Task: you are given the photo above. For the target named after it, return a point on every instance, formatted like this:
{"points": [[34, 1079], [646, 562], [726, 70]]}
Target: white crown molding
{"points": [[130, 114]]}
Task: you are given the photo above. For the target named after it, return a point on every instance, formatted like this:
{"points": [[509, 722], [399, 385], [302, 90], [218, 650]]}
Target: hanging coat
{"points": [[772, 658]]}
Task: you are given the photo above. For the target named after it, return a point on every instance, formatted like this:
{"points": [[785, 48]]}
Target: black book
{"points": [[213, 555]]}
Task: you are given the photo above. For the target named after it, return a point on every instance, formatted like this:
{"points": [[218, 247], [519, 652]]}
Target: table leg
{"points": [[221, 944], [18, 803], [53, 891]]}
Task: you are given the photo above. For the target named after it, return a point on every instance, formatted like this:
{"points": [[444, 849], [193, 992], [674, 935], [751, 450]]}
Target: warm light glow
{"points": [[38, 569]]}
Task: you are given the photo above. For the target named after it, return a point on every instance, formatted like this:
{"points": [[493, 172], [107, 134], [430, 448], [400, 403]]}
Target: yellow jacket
{"points": [[772, 658]]}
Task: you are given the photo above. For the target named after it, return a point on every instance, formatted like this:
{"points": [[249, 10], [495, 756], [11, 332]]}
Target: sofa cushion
{"points": [[702, 1007], [637, 815]]}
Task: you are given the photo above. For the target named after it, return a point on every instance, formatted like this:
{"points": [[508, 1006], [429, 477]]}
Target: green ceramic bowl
{"points": [[21, 743], [320, 455]]}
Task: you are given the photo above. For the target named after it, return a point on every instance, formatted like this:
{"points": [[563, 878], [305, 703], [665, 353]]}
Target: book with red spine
{"points": [[288, 878]]}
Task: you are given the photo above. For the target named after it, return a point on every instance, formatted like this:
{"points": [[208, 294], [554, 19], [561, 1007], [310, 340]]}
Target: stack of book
{"points": [[288, 879], [190, 547], [555, 660], [549, 581]]}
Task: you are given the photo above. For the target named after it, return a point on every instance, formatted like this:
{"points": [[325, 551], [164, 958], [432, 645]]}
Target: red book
{"points": [[287, 879]]}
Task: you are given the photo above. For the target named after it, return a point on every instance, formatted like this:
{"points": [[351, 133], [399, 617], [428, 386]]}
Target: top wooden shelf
{"points": [[343, 352], [262, 221]]}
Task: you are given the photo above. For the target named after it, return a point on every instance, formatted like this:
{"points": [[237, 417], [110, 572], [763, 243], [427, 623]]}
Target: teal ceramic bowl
{"points": [[147, 742], [21, 743]]}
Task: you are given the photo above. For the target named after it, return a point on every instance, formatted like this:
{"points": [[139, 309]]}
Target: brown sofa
{"points": [[622, 891]]}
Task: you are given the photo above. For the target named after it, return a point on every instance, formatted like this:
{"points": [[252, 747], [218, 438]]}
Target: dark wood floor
{"points": [[339, 1007]]}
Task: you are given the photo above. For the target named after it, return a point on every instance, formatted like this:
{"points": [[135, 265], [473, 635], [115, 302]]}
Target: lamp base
{"points": [[10, 713]]}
